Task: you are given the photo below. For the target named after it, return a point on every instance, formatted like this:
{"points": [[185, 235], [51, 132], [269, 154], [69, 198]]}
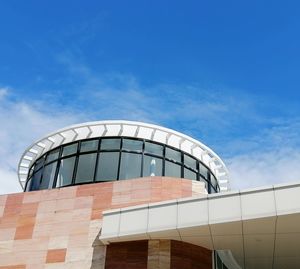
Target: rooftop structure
{"points": [[130, 149]]}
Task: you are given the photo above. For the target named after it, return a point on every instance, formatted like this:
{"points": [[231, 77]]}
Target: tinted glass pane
{"points": [[31, 171], [53, 155], [71, 149], [108, 143], [86, 168], [219, 262], [108, 164], [39, 163], [173, 154], [212, 190], [213, 180], [152, 166], [130, 165], [172, 169], [35, 184], [48, 176], [65, 172], [90, 145], [203, 171], [28, 185], [154, 149], [190, 162], [205, 183], [190, 174], [135, 145]]}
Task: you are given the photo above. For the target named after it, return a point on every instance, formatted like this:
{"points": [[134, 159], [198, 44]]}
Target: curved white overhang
{"points": [[129, 129], [260, 227]]}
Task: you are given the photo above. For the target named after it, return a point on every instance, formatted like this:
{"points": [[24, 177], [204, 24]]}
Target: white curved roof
{"points": [[123, 128]]}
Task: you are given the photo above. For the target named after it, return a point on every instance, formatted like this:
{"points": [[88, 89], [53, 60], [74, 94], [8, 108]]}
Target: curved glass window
{"points": [[65, 172], [204, 171], [154, 149], [48, 176], [132, 145], [172, 169], [86, 168], [39, 163], [190, 174], [110, 143], [172, 154], [152, 166], [69, 150], [107, 168], [130, 165], [36, 179], [114, 158], [53, 155], [90, 145], [190, 162]]}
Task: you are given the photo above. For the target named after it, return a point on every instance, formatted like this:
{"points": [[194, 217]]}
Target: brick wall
{"points": [[157, 254]]}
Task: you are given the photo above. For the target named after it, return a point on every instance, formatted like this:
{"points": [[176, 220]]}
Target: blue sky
{"points": [[224, 72]]}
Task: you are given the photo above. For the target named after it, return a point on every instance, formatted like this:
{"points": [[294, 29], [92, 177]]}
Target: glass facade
{"points": [[114, 158], [218, 262]]}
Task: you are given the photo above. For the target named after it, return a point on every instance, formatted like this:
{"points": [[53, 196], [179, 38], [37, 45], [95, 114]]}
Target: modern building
{"points": [[122, 194]]}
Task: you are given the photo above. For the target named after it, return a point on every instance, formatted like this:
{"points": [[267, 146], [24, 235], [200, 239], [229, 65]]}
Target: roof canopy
{"points": [[129, 129]]}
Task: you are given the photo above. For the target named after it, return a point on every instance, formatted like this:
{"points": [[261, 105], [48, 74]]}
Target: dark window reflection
{"points": [[172, 169], [86, 168], [130, 165], [152, 166], [110, 143], [205, 183], [53, 155], [203, 171], [212, 190], [31, 171], [132, 145], [69, 150], [48, 176], [28, 184], [173, 155], [39, 163], [189, 174], [90, 145], [108, 163], [190, 162], [65, 172], [35, 184], [213, 180], [219, 262], [154, 149]]}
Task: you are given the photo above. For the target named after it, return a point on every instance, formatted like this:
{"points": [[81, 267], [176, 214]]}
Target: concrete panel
{"points": [[162, 217], [225, 208], [287, 200], [258, 204], [192, 213], [133, 222]]}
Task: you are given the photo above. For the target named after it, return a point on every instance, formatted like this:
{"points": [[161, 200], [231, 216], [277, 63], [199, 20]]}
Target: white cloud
{"points": [[271, 156], [3, 92], [21, 124], [268, 168]]}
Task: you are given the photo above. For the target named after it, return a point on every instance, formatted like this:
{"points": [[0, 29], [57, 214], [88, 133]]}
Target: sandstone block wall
{"points": [[59, 228]]}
